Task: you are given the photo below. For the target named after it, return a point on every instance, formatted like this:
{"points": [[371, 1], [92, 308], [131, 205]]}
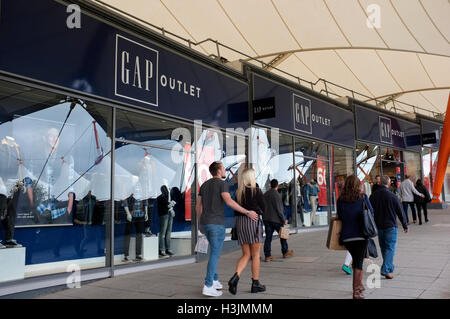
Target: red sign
{"points": [[322, 182]]}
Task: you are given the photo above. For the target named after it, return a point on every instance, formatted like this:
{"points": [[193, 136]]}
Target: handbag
{"points": [[234, 233], [369, 227], [284, 233], [334, 234], [372, 248]]}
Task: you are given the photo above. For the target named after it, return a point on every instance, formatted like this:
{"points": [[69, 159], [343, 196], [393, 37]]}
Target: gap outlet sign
{"points": [[103, 60], [305, 115], [379, 128]]}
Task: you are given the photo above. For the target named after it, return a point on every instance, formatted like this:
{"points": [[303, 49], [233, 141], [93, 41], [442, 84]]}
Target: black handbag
{"points": [[234, 233], [372, 248], [369, 227]]}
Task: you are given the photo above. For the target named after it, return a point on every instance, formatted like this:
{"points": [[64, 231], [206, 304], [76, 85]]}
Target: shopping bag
{"points": [[334, 233], [371, 249], [284, 233], [202, 245]]}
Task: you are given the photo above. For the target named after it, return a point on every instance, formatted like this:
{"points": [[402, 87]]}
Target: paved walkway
{"points": [[422, 271]]}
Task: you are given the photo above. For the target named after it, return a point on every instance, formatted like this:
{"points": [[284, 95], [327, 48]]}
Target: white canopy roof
{"points": [[407, 57]]}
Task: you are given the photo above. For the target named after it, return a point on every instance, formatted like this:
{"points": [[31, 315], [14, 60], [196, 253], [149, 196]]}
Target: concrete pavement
{"points": [[422, 271]]}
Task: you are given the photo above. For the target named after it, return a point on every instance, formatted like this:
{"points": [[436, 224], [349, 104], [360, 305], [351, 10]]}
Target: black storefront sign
{"points": [[381, 128], [431, 128], [264, 109], [300, 113]]}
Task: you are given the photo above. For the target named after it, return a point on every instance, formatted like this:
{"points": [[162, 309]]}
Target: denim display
{"points": [[166, 222]]}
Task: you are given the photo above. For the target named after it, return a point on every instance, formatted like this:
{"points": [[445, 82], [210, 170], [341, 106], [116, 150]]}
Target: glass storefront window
{"points": [[216, 145], [368, 165], [312, 183], [412, 164], [429, 164], [153, 198], [54, 154], [273, 159], [343, 166]]}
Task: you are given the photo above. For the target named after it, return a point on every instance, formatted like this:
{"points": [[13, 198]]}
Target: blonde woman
{"points": [[249, 231]]}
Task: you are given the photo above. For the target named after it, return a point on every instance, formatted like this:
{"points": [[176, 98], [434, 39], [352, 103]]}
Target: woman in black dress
{"points": [[249, 232]]}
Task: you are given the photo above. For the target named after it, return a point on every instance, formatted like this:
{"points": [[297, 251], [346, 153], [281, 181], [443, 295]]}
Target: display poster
{"points": [[322, 181]]}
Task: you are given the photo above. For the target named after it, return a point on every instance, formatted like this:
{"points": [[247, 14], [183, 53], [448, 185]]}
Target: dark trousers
{"points": [[139, 225], [9, 223], [358, 250], [419, 211], [270, 227], [413, 210]]}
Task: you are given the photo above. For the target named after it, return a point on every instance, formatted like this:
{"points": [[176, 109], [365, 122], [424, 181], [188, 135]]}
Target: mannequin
{"points": [[136, 213], [166, 214]]}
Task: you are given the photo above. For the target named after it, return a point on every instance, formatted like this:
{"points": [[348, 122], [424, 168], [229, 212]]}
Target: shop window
{"points": [[368, 165], [153, 195], [343, 166], [54, 175]]}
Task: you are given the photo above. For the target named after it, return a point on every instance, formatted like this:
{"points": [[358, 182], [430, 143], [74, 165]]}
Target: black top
{"points": [[274, 211], [376, 187], [422, 189], [387, 207], [351, 215], [253, 201], [163, 205]]}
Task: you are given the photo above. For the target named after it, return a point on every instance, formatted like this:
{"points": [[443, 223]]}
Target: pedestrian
{"points": [[249, 230], [407, 191], [350, 207], [387, 208], [273, 219], [377, 185], [312, 191], [212, 196], [421, 202]]}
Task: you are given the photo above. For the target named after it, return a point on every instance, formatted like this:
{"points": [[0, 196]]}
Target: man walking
{"points": [[386, 208], [407, 191], [273, 219], [210, 213], [377, 185]]}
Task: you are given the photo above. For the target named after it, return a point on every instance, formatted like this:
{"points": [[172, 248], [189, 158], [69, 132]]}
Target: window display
{"points": [[154, 173], [54, 154]]}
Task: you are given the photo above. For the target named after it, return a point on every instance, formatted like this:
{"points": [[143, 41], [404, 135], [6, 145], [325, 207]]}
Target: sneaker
{"points": [[125, 259], [169, 252], [288, 254], [270, 258], [217, 285], [347, 269], [162, 253], [211, 291], [2, 246], [12, 244], [138, 259], [148, 234]]}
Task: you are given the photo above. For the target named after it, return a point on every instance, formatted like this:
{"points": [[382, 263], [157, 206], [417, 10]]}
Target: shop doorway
{"points": [[396, 171]]}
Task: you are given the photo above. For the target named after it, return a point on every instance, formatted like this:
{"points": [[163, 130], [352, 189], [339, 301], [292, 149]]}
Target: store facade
{"points": [[386, 145], [314, 151], [106, 134]]}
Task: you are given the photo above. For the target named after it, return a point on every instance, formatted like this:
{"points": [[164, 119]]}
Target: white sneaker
{"points": [[211, 291], [217, 284]]}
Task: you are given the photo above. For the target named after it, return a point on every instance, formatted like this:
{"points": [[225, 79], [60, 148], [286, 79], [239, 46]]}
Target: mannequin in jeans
{"points": [[136, 214], [166, 214]]}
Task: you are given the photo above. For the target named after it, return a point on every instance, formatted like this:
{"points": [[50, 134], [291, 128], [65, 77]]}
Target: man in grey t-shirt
{"points": [[211, 214]]}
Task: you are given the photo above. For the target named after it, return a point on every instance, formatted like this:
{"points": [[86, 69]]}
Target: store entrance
{"points": [[396, 171]]}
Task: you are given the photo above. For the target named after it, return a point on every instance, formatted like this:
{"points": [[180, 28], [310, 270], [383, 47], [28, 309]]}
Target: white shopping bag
{"points": [[202, 245]]}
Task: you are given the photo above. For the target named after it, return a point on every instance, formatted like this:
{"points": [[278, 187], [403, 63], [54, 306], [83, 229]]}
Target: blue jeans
{"points": [[215, 235], [165, 232], [388, 242], [270, 227]]}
